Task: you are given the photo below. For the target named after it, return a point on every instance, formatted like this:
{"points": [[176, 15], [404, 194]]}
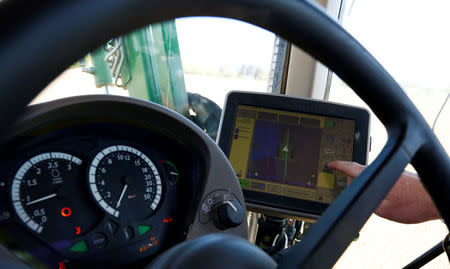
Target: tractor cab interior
{"points": [[196, 134]]}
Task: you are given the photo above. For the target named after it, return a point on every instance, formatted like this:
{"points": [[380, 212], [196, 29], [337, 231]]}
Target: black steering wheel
{"points": [[63, 31]]}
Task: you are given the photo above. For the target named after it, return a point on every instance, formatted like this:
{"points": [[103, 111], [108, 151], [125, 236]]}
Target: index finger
{"points": [[351, 169]]}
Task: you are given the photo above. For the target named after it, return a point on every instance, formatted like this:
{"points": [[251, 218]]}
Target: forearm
{"points": [[406, 202]]}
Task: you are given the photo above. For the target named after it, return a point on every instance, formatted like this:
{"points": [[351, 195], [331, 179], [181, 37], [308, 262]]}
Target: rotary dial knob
{"points": [[229, 214]]}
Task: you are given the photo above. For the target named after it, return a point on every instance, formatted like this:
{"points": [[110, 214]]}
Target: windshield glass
{"points": [[188, 65], [407, 38], [214, 56]]}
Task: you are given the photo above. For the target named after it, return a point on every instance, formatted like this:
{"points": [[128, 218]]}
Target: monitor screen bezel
{"points": [[298, 105]]}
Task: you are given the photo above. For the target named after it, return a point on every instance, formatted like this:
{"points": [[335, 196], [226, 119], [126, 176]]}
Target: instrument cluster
{"points": [[97, 194]]}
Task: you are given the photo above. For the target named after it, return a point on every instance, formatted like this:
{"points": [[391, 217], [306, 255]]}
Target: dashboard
{"points": [[96, 181]]}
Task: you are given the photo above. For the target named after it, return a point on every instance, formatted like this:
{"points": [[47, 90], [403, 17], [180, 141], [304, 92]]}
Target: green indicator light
{"points": [[173, 171], [79, 247], [142, 229], [330, 123]]}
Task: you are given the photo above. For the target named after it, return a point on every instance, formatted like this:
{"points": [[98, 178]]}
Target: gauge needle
{"points": [[121, 195], [42, 199]]}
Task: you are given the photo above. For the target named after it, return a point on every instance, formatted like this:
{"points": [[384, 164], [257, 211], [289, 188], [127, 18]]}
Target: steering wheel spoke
{"points": [[432, 165]]}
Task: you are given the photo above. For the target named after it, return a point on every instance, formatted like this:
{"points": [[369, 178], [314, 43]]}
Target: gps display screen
{"points": [[285, 153]]}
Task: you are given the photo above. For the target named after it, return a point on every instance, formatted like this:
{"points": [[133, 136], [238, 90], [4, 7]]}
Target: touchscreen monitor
{"points": [[285, 153], [279, 147]]}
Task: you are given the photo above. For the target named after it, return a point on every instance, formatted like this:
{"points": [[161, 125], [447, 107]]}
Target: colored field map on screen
{"points": [[285, 153]]}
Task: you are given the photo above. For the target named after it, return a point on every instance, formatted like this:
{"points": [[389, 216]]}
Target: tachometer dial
{"points": [[123, 180], [45, 195]]}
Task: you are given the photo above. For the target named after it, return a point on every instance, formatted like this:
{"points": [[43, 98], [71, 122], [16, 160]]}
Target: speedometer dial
{"points": [[122, 179]]}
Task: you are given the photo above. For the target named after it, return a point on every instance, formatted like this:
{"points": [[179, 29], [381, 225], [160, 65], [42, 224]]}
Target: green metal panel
{"points": [[99, 68], [152, 69], [139, 73], [170, 67]]}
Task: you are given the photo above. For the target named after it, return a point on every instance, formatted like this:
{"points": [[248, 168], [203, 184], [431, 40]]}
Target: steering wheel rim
{"points": [[305, 25]]}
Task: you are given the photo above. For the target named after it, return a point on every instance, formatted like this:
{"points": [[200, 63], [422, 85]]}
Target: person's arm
{"points": [[407, 201]]}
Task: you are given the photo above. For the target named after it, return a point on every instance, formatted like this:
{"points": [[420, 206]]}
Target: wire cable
{"points": [[440, 111]]}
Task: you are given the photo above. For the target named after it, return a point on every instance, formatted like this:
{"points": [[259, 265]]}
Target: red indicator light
{"points": [[61, 265], [78, 230], [66, 212], [168, 219]]}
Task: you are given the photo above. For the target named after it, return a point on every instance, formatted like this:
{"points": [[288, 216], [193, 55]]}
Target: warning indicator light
{"points": [[61, 265], [66, 212], [168, 219]]}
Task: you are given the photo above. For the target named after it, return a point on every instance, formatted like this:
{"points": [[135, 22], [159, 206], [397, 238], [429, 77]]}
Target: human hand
{"points": [[407, 201]]}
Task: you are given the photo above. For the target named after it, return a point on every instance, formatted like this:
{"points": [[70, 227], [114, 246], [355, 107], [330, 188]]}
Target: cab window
{"points": [[188, 65], [415, 52], [215, 56]]}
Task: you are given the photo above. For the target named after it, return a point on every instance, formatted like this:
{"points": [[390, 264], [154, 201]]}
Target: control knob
{"points": [[228, 214]]}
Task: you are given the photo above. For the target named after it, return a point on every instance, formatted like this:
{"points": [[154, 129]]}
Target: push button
{"points": [[99, 240], [125, 233], [110, 227]]}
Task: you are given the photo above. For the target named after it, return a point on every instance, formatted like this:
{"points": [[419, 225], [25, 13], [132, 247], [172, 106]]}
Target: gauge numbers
{"points": [[124, 177], [36, 185]]}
